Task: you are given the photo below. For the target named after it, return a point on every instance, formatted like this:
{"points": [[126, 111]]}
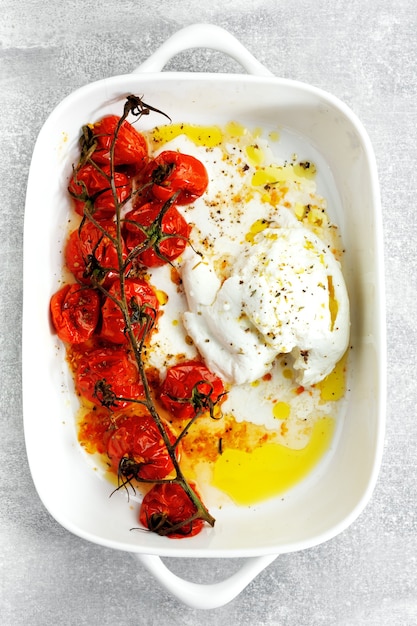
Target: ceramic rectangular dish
{"points": [[66, 483]]}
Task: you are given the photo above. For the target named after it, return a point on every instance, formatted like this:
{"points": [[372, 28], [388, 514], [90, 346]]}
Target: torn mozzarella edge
{"points": [[232, 346]]}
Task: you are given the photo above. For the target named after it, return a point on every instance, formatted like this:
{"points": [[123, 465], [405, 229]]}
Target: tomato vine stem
{"points": [[134, 105]]}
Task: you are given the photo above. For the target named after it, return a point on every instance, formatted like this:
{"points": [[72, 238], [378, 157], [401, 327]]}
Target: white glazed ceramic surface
{"points": [[66, 481]]}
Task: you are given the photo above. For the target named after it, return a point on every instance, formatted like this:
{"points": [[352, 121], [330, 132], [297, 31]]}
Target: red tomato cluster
{"points": [[169, 180], [87, 316], [155, 232]]}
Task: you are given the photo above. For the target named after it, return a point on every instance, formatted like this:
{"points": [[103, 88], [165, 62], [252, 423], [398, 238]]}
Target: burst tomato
{"points": [[91, 187], [104, 373], [189, 388], [168, 239], [75, 312], [165, 506], [143, 307], [91, 256], [173, 171], [140, 444], [130, 147]]}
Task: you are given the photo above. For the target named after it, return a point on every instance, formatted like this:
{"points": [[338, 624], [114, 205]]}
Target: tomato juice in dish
{"points": [[228, 265]]}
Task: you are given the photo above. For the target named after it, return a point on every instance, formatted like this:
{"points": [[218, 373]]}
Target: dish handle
{"points": [[205, 596], [202, 36]]}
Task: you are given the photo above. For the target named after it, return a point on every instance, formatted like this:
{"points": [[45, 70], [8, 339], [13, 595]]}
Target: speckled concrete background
{"points": [[364, 52]]}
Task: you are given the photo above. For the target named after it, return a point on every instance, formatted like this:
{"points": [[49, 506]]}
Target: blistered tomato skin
{"points": [[91, 256], [75, 313], [165, 506], [143, 308], [138, 440], [105, 374], [167, 240], [91, 188], [189, 387], [173, 172], [130, 147]]}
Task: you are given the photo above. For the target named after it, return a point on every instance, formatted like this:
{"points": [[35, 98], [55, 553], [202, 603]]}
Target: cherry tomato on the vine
{"points": [[190, 387], [138, 441], [104, 373], [173, 171], [89, 186], [168, 238], [165, 506], [75, 312], [143, 307], [91, 256], [130, 147]]}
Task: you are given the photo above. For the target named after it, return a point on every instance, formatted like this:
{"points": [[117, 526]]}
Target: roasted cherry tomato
{"points": [[140, 444], [104, 373], [130, 148], [75, 312], [190, 388], [168, 239], [173, 171], [143, 307], [91, 255], [89, 186], [167, 505]]}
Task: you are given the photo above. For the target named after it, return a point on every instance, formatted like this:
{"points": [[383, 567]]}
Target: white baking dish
{"points": [[68, 486]]}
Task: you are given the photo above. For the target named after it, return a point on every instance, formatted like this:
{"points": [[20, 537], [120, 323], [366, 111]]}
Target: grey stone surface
{"points": [[365, 53]]}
